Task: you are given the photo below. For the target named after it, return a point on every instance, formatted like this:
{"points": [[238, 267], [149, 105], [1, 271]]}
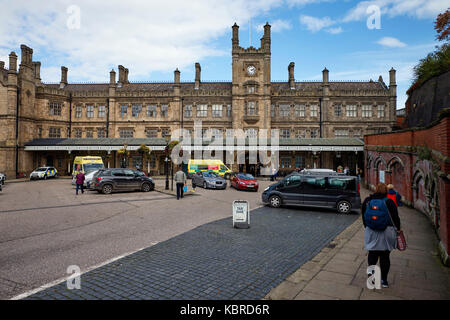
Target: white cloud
{"points": [[391, 42], [335, 30], [292, 3], [421, 9], [276, 26], [143, 36], [314, 24]]}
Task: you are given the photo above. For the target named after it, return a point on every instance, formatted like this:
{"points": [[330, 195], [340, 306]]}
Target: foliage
{"points": [[143, 150], [442, 26], [123, 152], [172, 144], [437, 62], [424, 153]]}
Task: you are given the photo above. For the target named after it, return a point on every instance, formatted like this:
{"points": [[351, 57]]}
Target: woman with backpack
{"points": [[381, 222]]}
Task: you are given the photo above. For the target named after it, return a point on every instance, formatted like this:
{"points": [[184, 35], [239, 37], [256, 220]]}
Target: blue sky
{"points": [[152, 38]]}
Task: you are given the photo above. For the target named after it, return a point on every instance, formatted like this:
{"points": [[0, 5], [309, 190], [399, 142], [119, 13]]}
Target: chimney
{"points": [[267, 31], [125, 78], [112, 77], [37, 71], [325, 75], [265, 40], [121, 74], [392, 76], [63, 82], [198, 70], [2, 64], [176, 76], [13, 62], [235, 39], [392, 82], [291, 75], [27, 55]]}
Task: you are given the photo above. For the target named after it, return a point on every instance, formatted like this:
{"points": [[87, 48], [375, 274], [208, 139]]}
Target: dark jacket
{"points": [[389, 204]]}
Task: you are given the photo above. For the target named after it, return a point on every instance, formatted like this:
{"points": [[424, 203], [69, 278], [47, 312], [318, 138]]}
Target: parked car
{"points": [[2, 178], [87, 179], [117, 179], [243, 181], [208, 179], [44, 173], [327, 190]]}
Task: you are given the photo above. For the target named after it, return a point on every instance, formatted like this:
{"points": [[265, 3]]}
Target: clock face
{"points": [[251, 70]]}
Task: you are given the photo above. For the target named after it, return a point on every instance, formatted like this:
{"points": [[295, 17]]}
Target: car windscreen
{"points": [[41, 169], [88, 167], [245, 176], [209, 175]]}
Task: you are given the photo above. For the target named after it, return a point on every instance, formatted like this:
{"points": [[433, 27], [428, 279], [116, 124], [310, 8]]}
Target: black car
{"points": [[110, 180], [315, 190]]}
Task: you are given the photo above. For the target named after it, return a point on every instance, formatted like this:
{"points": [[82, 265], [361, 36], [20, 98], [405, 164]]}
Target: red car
{"points": [[244, 181]]}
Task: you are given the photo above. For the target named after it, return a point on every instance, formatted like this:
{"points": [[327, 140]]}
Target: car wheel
{"points": [[146, 187], [227, 176], [204, 185], [107, 189], [344, 207], [275, 201]]}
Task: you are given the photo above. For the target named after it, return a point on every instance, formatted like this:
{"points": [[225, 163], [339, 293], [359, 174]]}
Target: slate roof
{"points": [[168, 86], [334, 86]]}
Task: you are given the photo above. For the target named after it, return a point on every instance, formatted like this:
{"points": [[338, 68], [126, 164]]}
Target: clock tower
{"points": [[251, 84]]}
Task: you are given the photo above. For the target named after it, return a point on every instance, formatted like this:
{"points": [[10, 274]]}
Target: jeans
{"points": [[180, 187], [385, 262], [79, 186]]}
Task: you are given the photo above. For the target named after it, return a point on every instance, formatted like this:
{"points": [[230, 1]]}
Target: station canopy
{"points": [[158, 144]]}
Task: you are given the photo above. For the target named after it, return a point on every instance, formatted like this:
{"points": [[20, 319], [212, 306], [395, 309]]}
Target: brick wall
{"points": [[423, 182]]}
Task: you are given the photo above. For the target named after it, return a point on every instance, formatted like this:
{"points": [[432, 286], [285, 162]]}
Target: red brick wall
{"points": [[397, 155]]}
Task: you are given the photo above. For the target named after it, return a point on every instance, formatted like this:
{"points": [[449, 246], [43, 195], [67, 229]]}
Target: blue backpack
{"points": [[377, 215]]}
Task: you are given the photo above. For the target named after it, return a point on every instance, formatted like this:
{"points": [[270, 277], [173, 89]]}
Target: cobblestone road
{"points": [[214, 261]]}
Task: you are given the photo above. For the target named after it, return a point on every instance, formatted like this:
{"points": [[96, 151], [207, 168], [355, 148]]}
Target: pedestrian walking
{"points": [[394, 195], [346, 170], [180, 179], [80, 181], [273, 177], [381, 222]]}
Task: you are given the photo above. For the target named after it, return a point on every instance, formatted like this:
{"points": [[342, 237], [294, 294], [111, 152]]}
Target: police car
{"points": [[44, 173]]}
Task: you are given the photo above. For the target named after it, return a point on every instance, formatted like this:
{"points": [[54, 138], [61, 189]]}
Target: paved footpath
{"points": [[339, 270]]}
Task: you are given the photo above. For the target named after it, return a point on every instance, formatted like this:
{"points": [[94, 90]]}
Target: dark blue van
{"points": [[326, 190]]}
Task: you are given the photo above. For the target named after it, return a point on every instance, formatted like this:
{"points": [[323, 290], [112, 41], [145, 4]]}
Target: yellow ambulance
{"points": [[87, 164], [213, 165]]}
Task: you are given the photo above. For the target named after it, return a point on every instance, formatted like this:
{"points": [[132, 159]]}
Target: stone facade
{"points": [[120, 108]]}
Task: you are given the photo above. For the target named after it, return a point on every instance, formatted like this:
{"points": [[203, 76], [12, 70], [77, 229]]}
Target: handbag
{"points": [[401, 240]]}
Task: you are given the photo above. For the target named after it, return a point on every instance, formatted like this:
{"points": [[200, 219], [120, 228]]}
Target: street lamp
{"points": [[167, 138]]}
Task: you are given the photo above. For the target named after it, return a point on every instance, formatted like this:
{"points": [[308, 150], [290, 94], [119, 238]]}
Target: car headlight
{"points": [[266, 188]]}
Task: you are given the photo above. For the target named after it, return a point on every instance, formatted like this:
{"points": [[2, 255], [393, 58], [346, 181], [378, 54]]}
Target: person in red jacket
{"points": [[394, 195], [80, 181]]}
